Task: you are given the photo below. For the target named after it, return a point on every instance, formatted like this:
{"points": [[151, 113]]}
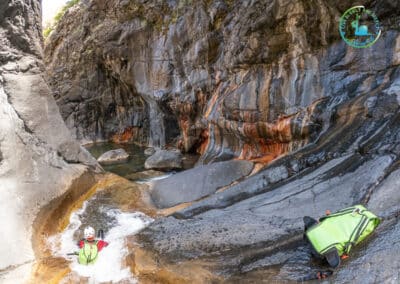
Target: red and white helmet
{"points": [[89, 233]]}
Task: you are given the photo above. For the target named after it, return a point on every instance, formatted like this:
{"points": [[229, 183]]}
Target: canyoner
{"points": [[333, 236], [90, 247]]}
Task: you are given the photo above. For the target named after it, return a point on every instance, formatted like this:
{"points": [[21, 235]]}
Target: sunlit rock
{"points": [[198, 182], [113, 157], [164, 160]]}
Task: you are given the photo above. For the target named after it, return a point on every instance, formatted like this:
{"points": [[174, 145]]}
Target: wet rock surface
{"points": [[113, 157], [254, 84], [256, 225], [144, 175], [376, 260], [258, 80], [198, 182], [272, 216], [149, 151], [39, 158], [164, 160]]}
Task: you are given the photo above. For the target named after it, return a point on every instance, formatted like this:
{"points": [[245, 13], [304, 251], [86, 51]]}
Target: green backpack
{"points": [[88, 253], [335, 234]]}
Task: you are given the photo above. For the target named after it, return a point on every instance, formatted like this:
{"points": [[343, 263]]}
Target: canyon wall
{"points": [[247, 79], [39, 159], [253, 80]]}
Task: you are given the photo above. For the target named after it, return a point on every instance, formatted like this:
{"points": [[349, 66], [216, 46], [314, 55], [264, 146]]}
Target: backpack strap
{"points": [[339, 213], [356, 233]]}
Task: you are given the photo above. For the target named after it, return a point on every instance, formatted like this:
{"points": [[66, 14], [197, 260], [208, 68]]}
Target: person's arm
{"points": [[101, 244]]}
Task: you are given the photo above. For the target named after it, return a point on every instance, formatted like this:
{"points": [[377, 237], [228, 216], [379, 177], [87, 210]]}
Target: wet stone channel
{"points": [[113, 208]]}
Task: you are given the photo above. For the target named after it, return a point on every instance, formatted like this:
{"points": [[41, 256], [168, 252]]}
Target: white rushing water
{"points": [[149, 180], [109, 266]]}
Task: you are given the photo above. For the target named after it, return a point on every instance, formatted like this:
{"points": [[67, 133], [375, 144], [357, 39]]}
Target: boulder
{"points": [[164, 160], [149, 151], [113, 157], [196, 183]]}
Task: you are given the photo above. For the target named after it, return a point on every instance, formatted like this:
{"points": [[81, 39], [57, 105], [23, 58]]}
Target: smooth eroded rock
{"points": [[144, 175], [113, 157], [196, 183], [39, 158], [164, 160], [149, 151]]}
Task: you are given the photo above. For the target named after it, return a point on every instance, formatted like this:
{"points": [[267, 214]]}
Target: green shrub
{"points": [[58, 16], [47, 31]]}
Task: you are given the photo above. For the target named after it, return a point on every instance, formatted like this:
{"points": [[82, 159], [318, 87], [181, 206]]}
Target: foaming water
{"points": [[149, 180], [109, 266]]}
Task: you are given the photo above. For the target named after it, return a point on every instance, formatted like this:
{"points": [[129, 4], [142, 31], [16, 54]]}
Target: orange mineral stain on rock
{"points": [[128, 135], [244, 134], [51, 271], [51, 220], [151, 268], [184, 125], [54, 218], [204, 140], [263, 151]]}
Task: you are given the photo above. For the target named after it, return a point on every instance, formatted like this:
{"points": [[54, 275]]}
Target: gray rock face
{"points": [[75, 153], [262, 82], [39, 158], [273, 79], [149, 151], [253, 230], [164, 160], [272, 216], [113, 157], [199, 182], [377, 258]]}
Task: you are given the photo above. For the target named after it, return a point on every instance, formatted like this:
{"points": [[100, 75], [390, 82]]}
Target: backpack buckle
{"points": [[355, 211]]}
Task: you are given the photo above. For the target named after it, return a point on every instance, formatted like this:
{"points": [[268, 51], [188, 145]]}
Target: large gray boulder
{"points": [[196, 183], [113, 157], [164, 160]]}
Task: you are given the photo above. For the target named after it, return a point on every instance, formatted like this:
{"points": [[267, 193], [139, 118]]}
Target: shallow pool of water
{"points": [[134, 164]]}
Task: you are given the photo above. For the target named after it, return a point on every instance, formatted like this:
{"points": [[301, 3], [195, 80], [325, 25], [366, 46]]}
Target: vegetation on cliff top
{"points": [[47, 30]]}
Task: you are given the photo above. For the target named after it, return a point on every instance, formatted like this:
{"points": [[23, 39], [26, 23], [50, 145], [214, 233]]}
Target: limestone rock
{"points": [[72, 152], [164, 160], [39, 159], [198, 182], [113, 157], [149, 151]]}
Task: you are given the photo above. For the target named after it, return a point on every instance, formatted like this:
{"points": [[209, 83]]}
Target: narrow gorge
{"points": [[255, 113]]}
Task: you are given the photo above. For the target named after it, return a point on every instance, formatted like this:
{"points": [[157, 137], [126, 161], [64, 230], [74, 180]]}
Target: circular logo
{"points": [[359, 27]]}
